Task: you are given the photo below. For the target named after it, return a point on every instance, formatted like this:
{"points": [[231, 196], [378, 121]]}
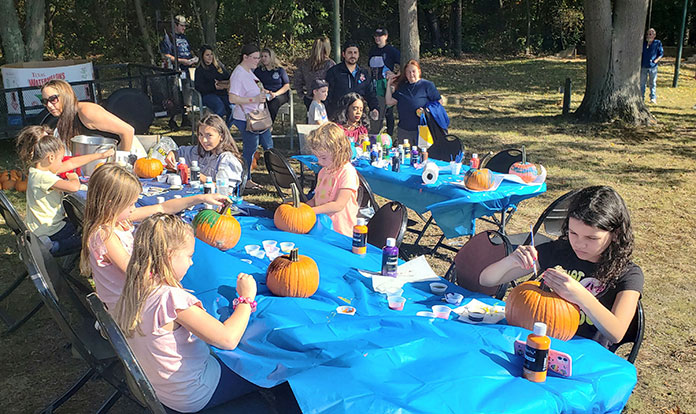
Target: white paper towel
{"points": [[430, 173]]}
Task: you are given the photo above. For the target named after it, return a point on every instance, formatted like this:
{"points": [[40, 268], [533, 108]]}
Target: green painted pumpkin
{"points": [[218, 229]]}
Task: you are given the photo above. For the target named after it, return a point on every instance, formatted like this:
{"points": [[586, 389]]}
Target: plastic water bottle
{"points": [[222, 182]]}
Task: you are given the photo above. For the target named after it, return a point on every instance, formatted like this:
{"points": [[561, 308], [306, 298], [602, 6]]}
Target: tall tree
{"points": [[12, 41], [614, 45], [209, 9], [144, 31], [457, 8], [408, 21]]}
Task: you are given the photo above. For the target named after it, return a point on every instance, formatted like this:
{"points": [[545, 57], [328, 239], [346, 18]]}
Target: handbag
{"points": [[425, 137], [259, 120]]}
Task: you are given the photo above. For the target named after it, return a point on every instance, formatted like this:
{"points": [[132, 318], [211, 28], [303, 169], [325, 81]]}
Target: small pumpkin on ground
{"points": [[218, 229], [295, 217], [293, 275], [527, 171], [21, 185], [478, 179], [9, 184], [4, 176], [531, 302], [148, 167]]}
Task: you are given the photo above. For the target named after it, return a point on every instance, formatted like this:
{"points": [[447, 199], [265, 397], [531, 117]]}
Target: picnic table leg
{"points": [[422, 232]]}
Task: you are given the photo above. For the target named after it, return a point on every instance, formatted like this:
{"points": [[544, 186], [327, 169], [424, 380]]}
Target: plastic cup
{"points": [[177, 195], [286, 247], [273, 252], [454, 298], [174, 179], [438, 288], [396, 302], [455, 167], [162, 178], [252, 248], [442, 311], [394, 292], [269, 244], [160, 200]]}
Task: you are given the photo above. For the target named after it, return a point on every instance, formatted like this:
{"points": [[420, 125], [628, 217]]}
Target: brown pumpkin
{"points": [[148, 167], [294, 217], [531, 302], [293, 275], [527, 171], [21, 186], [218, 229], [9, 185], [478, 179]]}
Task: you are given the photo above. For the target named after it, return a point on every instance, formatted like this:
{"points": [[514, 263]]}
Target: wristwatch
{"points": [[246, 300]]}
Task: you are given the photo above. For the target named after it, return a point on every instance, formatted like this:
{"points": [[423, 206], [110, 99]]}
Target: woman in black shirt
{"points": [[213, 81]]}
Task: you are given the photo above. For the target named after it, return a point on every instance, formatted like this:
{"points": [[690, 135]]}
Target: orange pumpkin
{"points": [[218, 229], [527, 171], [294, 217], [4, 176], [293, 275], [478, 179], [15, 175], [148, 167], [531, 302], [9, 185], [21, 186]]}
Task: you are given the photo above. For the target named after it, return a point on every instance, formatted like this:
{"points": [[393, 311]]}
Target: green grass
{"points": [[496, 104]]}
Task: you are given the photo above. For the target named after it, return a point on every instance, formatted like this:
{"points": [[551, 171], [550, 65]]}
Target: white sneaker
{"points": [[653, 101]]}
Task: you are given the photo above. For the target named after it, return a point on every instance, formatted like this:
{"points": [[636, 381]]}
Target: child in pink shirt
{"points": [[167, 327], [336, 193]]}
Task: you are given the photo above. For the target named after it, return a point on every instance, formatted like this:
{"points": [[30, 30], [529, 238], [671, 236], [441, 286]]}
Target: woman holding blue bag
{"points": [[409, 92]]}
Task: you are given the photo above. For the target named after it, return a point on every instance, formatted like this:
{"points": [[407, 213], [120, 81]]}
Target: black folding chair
{"points": [[366, 198], [446, 148], [78, 326], [478, 253], [551, 219], [74, 207], [140, 386], [503, 160], [282, 174], [17, 226], [634, 334], [389, 221]]}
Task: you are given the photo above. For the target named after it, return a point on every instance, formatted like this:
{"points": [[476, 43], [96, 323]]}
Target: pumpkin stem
{"points": [[225, 206], [295, 195], [524, 155], [294, 255]]}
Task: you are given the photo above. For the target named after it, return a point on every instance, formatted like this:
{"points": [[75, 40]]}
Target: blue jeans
{"points": [[66, 240], [250, 141], [219, 105], [648, 75]]}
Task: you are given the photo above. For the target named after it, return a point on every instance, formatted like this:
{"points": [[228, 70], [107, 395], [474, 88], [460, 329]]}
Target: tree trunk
{"points": [[143, 30], [408, 20], [614, 46], [529, 26], [458, 28], [35, 29], [209, 10], [435, 35], [11, 34]]}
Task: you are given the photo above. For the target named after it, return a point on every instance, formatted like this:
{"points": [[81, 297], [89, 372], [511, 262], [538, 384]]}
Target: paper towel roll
{"points": [[430, 173]]}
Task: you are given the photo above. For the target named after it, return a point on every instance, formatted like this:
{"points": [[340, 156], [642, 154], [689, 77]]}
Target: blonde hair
{"points": [[150, 266], [321, 51], [331, 138], [68, 121], [275, 64], [34, 143], [112, 189]]}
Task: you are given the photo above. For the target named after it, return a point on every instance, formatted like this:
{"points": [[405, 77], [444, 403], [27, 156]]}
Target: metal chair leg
{"points": [[106, 406], [422, 232], [14, 325], [70, 392], [14, 285]]}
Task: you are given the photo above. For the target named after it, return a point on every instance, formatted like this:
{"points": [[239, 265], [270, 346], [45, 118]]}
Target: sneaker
{"points": [[653, 101], [250, 185]]}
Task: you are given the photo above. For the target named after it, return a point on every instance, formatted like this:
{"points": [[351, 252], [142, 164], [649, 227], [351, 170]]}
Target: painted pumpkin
{"points": [[148, 167], [218, 229], [293, 275], [294, 217], [531, 302], [527, 171], [478, 179]]}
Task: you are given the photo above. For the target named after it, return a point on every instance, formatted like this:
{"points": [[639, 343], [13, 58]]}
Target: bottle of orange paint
{"points": [[536, 354]]}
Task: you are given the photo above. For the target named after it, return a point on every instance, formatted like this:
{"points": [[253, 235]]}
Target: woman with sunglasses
{"points": [[83, 118]]}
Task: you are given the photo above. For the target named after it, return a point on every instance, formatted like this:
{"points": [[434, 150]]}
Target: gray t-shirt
{"points": [[316, 113], [210, 163]]}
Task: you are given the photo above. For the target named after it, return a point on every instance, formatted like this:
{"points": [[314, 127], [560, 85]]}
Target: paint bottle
{"points": [[474, 162], [195, 172], [424, 155], [183, 170], [401, 152], [360, 237], [396, 163], [390, 258], [365, 144], [407, 156], [373, 154], [536, 354], [209, 187], [414, 156]]}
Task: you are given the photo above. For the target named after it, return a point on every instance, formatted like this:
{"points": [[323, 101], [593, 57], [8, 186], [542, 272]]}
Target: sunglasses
{"points": [[52, 99]]}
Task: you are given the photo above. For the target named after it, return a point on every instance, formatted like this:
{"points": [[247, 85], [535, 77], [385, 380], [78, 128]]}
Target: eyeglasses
{"points": [[53, 99]]}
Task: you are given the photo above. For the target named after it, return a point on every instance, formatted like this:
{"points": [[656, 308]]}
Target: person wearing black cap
{"points": [[316, 114], [383, 61], [348, 77]]}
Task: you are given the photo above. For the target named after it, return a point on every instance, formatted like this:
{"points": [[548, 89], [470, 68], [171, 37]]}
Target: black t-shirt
{"points": [[560, 253]]}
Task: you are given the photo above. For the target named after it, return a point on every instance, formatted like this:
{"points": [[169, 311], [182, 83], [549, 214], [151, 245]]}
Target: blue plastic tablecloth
{"points": [[454, 208], [384, 361]]}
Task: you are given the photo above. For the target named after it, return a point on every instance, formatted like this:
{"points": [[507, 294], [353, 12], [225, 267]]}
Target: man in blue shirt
{"points": [[383, 61], [182, 53], [652, 53]]}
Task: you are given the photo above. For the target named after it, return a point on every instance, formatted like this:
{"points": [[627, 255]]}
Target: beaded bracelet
{"points": [[246, 300]]}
